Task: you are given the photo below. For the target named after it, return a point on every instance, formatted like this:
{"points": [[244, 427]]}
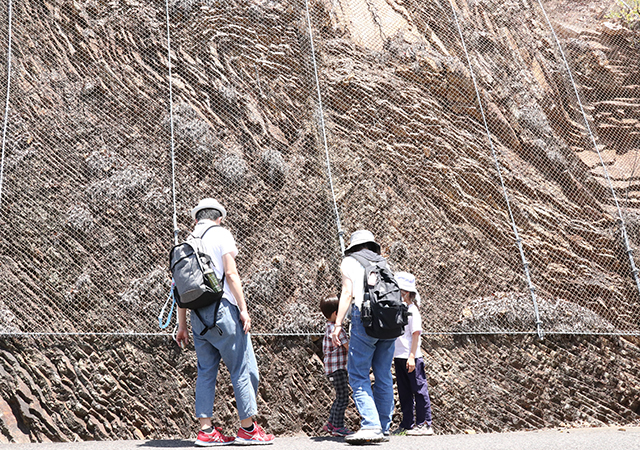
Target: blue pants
{"points": [[235, 349], [374, 403], [413, 385]]}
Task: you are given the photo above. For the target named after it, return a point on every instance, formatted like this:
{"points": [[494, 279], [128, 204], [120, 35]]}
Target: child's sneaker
{"points": [[336, 431], [255, 437], [420, 430], [215, 437], [365, 436]]}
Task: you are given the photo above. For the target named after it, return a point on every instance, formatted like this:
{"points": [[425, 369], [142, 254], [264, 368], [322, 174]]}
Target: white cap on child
{"points": [[407, 282]]}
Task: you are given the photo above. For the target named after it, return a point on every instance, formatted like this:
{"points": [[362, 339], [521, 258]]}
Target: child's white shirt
{"points": [[403, 343]]}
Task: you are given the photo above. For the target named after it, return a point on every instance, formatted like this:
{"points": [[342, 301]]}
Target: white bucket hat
{"points": [[407, 282], [360, 237], [209, 203]]}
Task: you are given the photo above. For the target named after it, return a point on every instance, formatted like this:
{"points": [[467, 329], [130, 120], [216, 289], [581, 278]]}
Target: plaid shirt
{"points": [[335, 358]]}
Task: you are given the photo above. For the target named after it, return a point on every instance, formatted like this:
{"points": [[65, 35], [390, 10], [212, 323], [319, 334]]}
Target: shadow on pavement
{"points": [[327, 439], [167, 444]]}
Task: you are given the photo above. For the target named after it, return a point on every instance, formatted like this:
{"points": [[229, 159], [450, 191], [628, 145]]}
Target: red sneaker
{"points": [[256, 437], [213, 438]]}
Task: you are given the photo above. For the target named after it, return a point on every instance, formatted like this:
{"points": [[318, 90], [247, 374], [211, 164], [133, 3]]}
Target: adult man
{"points": [[375, 404], [229, 340]]}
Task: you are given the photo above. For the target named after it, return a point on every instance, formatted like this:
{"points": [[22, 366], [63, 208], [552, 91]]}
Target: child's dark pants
{"points": [[340, 381], [413, 385]]}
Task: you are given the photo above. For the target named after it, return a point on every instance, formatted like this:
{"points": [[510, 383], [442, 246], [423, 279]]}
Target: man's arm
{"points": [[182, 335], [235, 285], [343, 307]]}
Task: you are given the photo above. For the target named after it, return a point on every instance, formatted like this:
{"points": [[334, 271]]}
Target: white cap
{"points": [[209, 203], [361, 237], [407, 282]]}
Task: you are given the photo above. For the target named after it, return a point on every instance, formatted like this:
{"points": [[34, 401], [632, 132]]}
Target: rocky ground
{"points": [[86, 205], [62, 389]]}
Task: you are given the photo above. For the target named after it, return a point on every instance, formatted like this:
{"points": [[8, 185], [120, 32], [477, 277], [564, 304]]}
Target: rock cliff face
{"points": [[87, 205]]}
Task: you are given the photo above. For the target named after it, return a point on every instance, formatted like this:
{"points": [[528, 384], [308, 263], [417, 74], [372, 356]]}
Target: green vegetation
{"points": [[627, 12]]}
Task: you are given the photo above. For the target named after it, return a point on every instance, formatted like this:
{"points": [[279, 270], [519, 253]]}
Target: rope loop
{"points": [[171, 298]]}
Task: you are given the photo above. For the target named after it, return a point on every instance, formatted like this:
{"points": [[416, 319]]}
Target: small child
{"points": [[335, 366], [410, 374]]}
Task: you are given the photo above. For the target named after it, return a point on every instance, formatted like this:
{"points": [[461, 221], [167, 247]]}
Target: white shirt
{"points": [[403, 343], [353, 270], [217, 242]]}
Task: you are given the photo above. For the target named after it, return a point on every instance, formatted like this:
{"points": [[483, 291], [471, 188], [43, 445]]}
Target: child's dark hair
{"points": [[329, 305]]}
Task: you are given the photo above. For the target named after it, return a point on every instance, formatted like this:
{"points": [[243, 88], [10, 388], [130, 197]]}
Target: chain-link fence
{"points": [[490, 149]]}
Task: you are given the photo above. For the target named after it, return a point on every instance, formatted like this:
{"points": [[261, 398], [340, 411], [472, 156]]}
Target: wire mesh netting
{"points": [[490, 149]]}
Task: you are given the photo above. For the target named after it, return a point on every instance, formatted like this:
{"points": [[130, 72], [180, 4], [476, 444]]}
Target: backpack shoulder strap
{"points": [[217, 304], [197, 246], [215, 319], [205, 232], [212, 262], [364, 262]]}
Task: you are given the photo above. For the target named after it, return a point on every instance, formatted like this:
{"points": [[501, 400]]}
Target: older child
{"points": [[410, 374], [335, 366]]}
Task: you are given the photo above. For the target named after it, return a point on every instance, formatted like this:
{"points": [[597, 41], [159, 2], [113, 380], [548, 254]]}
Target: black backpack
{"points": [[384, 314], [192, 272]]}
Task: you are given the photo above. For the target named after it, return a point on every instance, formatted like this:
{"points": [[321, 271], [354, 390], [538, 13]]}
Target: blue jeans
{"points": [[235, 349], [374, 403]]}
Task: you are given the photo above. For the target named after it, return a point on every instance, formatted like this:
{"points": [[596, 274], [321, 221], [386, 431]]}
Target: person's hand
{"points": [[182, 336], [411, 364], [335, 335], [246, 321]]}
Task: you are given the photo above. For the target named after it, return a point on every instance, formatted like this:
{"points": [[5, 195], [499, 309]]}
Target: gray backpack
{"points": [[195, 283]]}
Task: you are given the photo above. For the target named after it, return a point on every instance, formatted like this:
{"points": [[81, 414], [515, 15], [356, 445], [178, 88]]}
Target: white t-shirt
{"points": [[217, 242], [353, 270], [403, 343]]}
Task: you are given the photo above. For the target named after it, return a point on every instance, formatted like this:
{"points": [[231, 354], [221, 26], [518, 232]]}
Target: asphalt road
{"points": [[572, 439]]}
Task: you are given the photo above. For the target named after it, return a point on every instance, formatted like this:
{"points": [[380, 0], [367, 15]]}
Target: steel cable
{"points": [[173, 154], [324, 131], [6, 105], [173, 176], [623, 229], [525, 263]]}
